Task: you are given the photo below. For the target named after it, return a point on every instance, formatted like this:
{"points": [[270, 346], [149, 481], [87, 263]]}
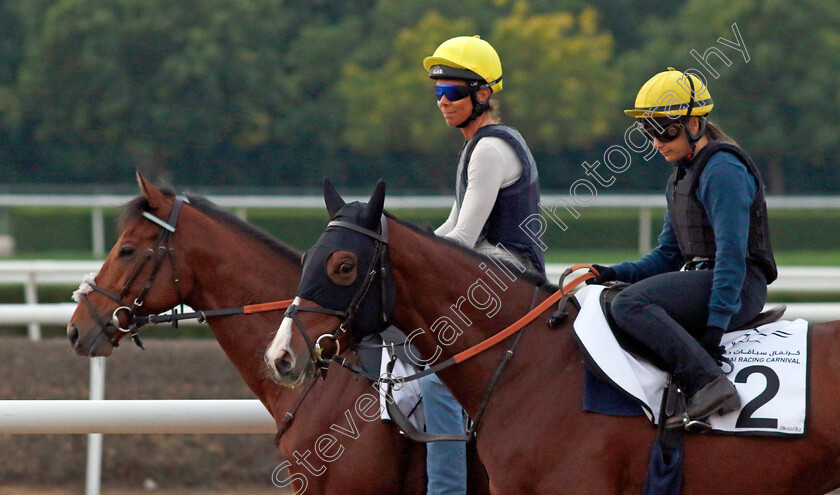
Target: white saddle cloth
{"points": [[770, 370]]}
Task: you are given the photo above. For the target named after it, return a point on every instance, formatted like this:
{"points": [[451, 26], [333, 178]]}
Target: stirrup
{"points": [[688, 424], [675, 406]]}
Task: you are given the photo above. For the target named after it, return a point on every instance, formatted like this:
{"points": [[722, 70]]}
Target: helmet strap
{"points": [[690, 154], [701, 130], [692, 137], [478, 107]]}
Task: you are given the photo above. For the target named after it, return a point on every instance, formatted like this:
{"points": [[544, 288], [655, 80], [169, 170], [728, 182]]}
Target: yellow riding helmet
{"points": [[466, 57], [669, 94]]}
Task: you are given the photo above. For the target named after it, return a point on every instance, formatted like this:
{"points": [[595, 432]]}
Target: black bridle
{"points": [[347, 316], [377, 268], [111, 328]]}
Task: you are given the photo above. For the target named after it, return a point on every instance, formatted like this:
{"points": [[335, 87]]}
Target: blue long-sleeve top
{"points": [[726, 189]]}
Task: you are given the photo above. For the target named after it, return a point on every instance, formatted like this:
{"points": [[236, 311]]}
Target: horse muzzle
{"points": [[283, 368], [89, 344]]}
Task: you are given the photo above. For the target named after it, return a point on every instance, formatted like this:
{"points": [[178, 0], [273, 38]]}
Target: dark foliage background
{"points": [[275, 94]]}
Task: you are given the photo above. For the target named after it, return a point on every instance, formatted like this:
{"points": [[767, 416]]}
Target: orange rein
{"points": [[269, 306], [530, 316]]}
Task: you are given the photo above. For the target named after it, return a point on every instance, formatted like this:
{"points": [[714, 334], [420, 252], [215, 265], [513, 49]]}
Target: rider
{"points": [[496, 190], [714, 261]]}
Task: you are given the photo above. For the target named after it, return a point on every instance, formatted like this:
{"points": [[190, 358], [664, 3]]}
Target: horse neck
{"points": [[231, 269], [235, 269], [443, 291]]}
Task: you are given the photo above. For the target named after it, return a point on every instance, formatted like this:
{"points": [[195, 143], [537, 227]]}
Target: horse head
{"points": [[345, 291], [139, 277]]}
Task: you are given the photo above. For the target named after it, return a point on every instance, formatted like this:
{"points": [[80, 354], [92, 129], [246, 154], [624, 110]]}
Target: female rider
{"points": [[496, 190], [714, 261]]}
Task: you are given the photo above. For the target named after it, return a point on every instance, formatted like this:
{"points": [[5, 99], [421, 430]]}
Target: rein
{"points": [[202, 315], [377, 268], [473, 351], [405, 424]]}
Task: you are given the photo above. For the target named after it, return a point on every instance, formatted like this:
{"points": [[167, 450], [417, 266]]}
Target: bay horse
{"points": [[533, 436], [214, 260]]}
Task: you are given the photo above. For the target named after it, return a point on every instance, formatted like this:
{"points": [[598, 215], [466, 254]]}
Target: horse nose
{"points": [[74, 334], [282, 366]]}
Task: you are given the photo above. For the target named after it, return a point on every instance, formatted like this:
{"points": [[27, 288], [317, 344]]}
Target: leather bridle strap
{"points": [[383, 237], [168, 228], [314, 348], [346, 317], [103, 324], [290, 414]]}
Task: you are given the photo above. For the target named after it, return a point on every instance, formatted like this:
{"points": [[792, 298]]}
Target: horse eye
{"points": [[341, 268], [126, 251]]}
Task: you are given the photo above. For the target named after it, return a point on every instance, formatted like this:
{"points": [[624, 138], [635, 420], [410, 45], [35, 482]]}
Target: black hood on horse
{"points": [[368, 298]]}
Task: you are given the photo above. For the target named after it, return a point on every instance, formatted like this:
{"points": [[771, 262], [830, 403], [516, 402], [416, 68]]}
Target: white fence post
{"points": [[33, 329], [644, 230], [97, 226], [93, 478]]}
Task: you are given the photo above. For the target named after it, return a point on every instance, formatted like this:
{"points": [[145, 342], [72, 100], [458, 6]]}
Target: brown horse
{"points": [[533, 436], [215, 260]]}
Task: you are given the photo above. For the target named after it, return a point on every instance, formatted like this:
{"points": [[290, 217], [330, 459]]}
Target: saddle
{"points": [[674, 401]]}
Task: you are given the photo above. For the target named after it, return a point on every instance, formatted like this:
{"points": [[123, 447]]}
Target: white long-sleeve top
{"points": [[493, 166]]}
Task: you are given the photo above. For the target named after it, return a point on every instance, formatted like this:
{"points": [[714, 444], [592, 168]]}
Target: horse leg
{"points": [[414, 468]]}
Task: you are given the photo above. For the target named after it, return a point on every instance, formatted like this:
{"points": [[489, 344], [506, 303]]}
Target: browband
{"points": [[383, 237]]}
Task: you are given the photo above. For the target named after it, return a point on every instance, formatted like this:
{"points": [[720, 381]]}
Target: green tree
{"points": [[563, 90], [157, 77], [12, 46], [391, 107], [559, 88]]}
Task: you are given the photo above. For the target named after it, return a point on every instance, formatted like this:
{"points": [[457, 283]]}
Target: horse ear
{"points": [[332, 198], [152, 194], [375, 206]]}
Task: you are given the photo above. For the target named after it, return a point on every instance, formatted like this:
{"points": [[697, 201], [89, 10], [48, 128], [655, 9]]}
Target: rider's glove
{"points": [[605, 274]]}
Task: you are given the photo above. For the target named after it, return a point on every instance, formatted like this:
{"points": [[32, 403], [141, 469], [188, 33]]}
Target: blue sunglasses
{"points": [[452, 92]]}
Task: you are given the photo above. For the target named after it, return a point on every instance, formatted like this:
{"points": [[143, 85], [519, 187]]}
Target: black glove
{"points": [[711, 342], [605, 274]]}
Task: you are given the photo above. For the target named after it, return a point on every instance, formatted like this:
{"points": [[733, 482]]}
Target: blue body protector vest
{"points": [[514, 204], [691, 224]]}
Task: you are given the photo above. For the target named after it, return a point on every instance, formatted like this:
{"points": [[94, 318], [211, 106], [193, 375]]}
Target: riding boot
{"points": [[718, 396]]}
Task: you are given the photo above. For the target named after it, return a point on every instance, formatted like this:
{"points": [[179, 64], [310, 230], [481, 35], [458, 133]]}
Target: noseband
{"points": [[377, 267], [111, 327]]}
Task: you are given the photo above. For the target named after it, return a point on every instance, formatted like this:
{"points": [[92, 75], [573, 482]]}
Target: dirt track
{"points": [[168, 369]]}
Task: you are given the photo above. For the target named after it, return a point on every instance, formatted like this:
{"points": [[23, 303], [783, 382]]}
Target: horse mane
{"points": [[138, 205], [535, 278]]}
